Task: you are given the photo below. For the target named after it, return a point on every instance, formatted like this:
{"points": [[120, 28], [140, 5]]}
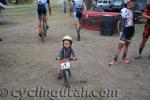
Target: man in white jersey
{"points": [[42, 8], [126, 33], [78, 8]]}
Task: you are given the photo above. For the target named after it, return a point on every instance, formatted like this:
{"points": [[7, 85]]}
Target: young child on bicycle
{"points": [[146, 33], [78, 8], [127, 32], [66, 52], [42, 8]]}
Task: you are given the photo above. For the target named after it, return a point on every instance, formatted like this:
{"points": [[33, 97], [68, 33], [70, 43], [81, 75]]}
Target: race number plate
{"points": [[65, 65]]}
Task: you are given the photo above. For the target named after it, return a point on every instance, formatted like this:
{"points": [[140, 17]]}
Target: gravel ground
{"points": [[26, 63]]}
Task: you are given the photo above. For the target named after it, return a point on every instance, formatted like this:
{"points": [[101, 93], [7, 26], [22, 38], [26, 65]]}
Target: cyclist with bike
{"points": [[78, 8], [66, 53], [146, 33], [126, 33], [42, 8]]}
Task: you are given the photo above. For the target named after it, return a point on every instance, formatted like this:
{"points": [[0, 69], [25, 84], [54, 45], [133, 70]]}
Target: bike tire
{"points": [[43, 35], [66, 78], [119, 26]]}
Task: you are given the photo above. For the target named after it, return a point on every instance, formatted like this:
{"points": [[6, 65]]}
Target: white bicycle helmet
{"points": [[126, 1], [67, 37]]}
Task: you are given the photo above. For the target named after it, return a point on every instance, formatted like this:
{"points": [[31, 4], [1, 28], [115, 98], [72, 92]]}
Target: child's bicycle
{"points": [[65, 67], [43, 28]]}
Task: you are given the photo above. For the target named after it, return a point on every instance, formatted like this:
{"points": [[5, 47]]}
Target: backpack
{"points": [[78, 5]]}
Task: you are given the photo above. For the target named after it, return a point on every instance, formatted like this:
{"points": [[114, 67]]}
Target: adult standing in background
{"points": [[146, 32]]}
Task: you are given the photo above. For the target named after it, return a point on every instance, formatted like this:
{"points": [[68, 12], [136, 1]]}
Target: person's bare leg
{"points": [[46, 21], [125, 49], [120, 47], [142, 45], [124, 57], [39, 26], [70, 11]]}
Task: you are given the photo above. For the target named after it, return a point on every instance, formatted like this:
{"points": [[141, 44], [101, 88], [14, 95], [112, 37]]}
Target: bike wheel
{"points": [[119, 26], [43, 35], [66, 78]]}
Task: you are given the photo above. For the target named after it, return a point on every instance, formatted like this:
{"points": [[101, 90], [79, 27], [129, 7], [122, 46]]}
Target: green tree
{"points": [[89, 3]]}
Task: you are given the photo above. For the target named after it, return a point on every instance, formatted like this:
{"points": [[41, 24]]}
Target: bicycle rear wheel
{"points": [[119, 26], [43, 34]]}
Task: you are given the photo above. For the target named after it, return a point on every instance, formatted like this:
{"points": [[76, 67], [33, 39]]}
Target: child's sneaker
{"points": [[126, 60], [113, 63]]}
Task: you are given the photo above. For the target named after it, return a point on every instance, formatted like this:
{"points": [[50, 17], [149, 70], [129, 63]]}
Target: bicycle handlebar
{"points": [[70, 59]]}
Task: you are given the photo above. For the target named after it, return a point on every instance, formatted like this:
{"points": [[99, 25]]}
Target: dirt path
{"points": [[27, 63]]}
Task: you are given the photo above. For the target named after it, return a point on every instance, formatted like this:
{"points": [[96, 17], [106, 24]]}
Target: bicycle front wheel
{"points": [[66, 78]]}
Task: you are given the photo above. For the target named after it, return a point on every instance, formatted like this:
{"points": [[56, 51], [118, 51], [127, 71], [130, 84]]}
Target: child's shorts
{"points": [[127, 34]]}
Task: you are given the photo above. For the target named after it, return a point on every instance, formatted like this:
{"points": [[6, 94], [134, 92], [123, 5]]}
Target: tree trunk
{"points": [[17, 2]]}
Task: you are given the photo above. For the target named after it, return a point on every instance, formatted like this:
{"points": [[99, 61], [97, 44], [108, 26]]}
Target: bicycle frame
{"points": [[65, 67]]}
